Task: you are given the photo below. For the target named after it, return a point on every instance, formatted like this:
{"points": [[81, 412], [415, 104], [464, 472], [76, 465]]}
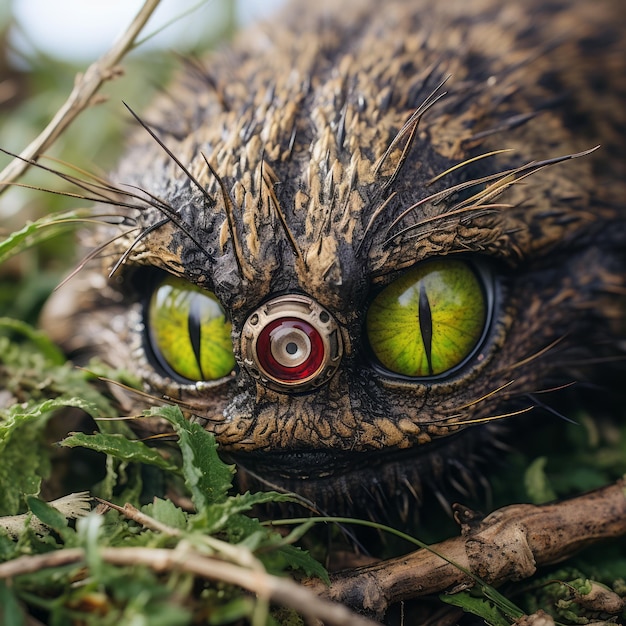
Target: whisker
{"points": [[467, 162], [474, 209], [157, 202], [98, 198], [172, 156], [92, 255], [230, 220], [446, 193], [268, 484], [551, 410], [501, 182], [171, 215], [490, 418], [266, 178], [118, 418], [512, 122], [149, 397], [486, 396], [557, 388], [110, 381], [144, 233], [373, 218], [87, 186], [536, 355], [158, 436], [409, 126], [535, 166], [72, 166], [57, 192]]}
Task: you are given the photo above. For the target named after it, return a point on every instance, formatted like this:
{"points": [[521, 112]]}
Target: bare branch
{"points": [[85, 88], [508, 544]]}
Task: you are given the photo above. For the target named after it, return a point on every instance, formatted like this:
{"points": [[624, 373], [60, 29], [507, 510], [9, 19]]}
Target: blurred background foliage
{"points": [[33, 85], [35, 82]]}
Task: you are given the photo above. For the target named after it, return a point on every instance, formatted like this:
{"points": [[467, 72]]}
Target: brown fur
{"points": [[319, 140]]}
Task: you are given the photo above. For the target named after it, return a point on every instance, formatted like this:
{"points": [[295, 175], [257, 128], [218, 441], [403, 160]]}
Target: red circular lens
{"points": [[290, 349]]}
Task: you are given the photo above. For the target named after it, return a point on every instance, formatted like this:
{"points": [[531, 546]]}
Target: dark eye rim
{"points": [[154, 279], [487, 278]]}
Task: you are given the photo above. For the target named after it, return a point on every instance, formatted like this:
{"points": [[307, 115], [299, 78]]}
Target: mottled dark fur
{"points": [[329, 150]]}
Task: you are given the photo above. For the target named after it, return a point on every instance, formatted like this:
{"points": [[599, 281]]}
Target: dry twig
{"points": [[82, 96]]}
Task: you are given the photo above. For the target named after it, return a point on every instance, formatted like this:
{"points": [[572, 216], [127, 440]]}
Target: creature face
{"points": [[358, 240]]}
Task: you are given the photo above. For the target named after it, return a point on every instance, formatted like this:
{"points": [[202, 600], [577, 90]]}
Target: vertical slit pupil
{"points": [[426, 326], [194, 328]]}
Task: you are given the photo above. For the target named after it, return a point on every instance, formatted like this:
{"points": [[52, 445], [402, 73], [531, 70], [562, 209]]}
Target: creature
{"points": [[357, 241]]}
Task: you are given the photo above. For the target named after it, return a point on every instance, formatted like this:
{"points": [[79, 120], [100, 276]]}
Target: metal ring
{"points": [[291, 343]]}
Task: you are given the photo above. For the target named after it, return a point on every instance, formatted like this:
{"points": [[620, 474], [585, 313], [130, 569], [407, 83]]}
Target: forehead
{"points": [[297, 157]]}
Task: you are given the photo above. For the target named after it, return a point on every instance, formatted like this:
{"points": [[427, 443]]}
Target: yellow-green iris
{"points": [[429, 320], [189, 331]]}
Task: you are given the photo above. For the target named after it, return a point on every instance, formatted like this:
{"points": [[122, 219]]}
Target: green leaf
{"points": [[207, 477], [47, 514], [41, 342], [121, 448], [24, 455], [24, 459], [24, 413], [298, 559], [40, 230], [8, 548], [89, 529], [167, 513], [537, 483], [216, 516], [27, 372], [477, 606], [10, 610], [233, 611]]}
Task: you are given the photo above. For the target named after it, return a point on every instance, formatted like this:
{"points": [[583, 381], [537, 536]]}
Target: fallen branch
{"points": [[85, 88], [508, 544]]}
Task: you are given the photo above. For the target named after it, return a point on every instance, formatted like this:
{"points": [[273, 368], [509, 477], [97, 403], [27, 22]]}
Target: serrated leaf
{"points": [[37, 360], [271, 549], [119, 447], [167, 513], [298, 559], [22, 449], [22, 413], [216, 516], [477, 606], [207, 477]]}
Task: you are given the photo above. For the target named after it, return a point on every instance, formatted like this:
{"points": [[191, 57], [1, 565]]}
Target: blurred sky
{"points": [[81, 30]]}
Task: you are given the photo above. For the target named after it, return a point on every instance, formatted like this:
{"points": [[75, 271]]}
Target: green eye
{"points": [[189, 332], [429, 320]]}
